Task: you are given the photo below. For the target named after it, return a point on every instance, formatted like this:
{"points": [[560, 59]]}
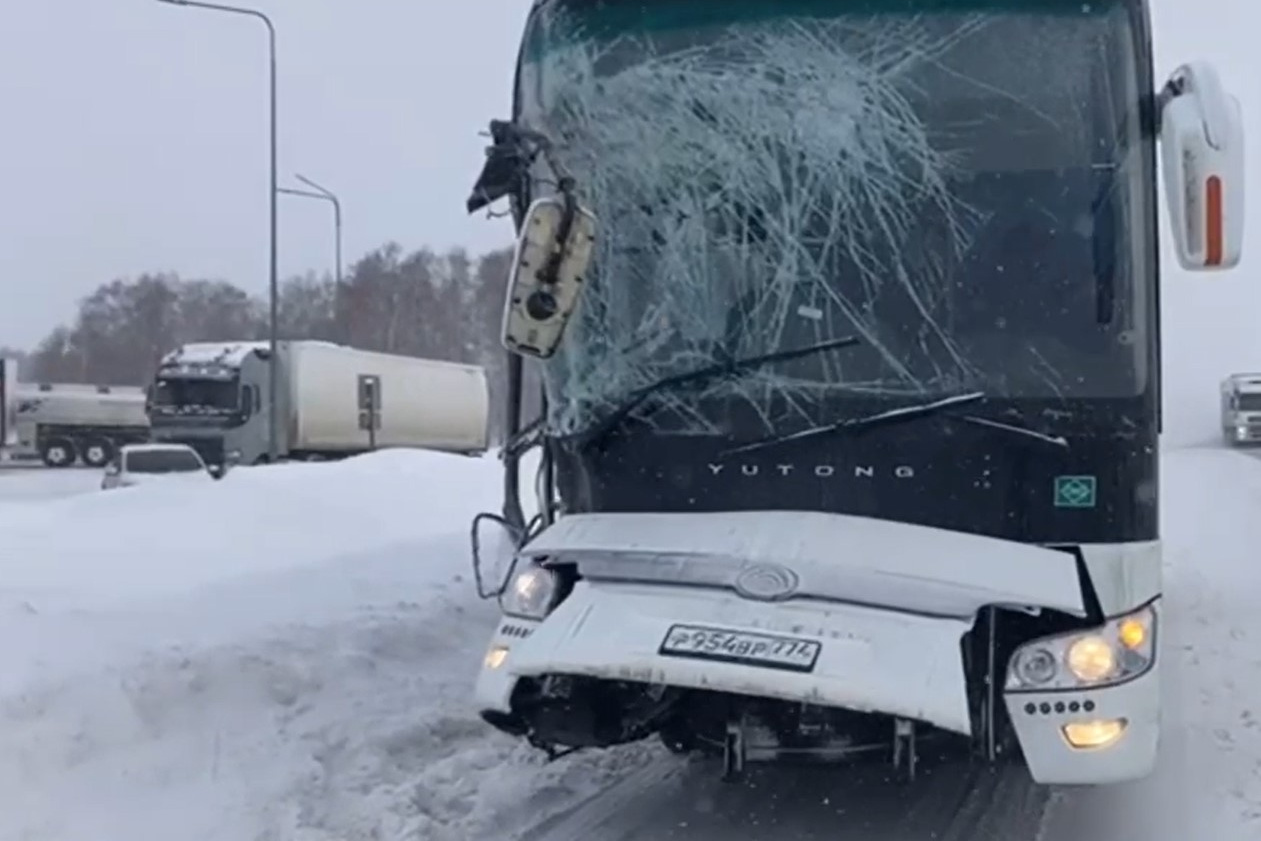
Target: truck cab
{"points": [[211, 396], [1241, 409], [846, 317]]}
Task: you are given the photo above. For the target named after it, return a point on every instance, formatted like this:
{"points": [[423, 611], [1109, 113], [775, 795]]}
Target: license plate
{"points": [[743, 647]]}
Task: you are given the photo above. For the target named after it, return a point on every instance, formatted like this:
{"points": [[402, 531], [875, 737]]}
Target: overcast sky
{"points": [[134, 136]]}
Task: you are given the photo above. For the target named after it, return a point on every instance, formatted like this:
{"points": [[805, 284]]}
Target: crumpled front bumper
{"points": [[869, 660]]}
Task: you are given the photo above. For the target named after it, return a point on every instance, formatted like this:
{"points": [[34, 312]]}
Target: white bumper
{"points": [[887, 605], [869, 659]]}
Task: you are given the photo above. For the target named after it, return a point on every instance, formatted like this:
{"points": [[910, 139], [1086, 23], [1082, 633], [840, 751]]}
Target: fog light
{"points": [[1092, 735], [496, 656]]}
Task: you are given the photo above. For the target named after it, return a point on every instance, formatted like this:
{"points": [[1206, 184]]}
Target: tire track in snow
{"points": [[359, 729], [676, 799]]}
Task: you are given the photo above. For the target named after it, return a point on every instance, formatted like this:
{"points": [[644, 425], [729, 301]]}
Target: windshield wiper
{"points": [[1017, 429], [598, 431], [905, 413]]}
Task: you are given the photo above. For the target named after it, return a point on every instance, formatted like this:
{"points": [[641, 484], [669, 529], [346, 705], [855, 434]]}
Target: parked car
{"points": [[140, 463]]}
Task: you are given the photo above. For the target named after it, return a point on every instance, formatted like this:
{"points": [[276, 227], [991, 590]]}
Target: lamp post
{"points": [[324, 194], [273, 279]]}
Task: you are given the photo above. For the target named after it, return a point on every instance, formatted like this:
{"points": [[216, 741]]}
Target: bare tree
{"points": [[419, 303]]}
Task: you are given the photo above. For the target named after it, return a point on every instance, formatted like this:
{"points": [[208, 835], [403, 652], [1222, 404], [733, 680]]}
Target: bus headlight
{"points": [[1091, 659], [1123, 649], [531, 592]]}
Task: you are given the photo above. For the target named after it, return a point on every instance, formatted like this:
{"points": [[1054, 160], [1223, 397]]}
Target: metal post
{"points": [[273, 279], [327, 194], [324, 194]]}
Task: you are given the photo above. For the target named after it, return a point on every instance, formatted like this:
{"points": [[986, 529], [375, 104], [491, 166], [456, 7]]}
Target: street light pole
{"points": [[337, 220], [322, 193], [273, 279]]}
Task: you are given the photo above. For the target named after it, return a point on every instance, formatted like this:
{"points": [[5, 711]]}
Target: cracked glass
{"points": [[961, 189]]}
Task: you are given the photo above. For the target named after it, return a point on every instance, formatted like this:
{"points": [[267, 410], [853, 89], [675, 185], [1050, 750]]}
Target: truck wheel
{"points": [[58, 452], [96, 452]]}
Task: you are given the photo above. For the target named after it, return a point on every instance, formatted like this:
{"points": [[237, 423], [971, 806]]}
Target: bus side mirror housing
{"points": [[547, 274], [1202, 155]]}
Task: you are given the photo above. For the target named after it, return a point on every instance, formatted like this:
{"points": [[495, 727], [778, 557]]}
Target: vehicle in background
{"points": [[1241, 409], [143, 463], [852, 444], [8, 384], [63, 423], [332, 401]]}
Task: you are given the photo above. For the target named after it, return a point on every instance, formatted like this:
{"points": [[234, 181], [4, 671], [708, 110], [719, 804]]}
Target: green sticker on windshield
{"points": [[1075, 491]]}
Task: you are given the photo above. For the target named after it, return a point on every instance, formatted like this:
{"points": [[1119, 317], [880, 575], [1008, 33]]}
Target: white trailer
{"points": [[63, 423], [331, 401]]}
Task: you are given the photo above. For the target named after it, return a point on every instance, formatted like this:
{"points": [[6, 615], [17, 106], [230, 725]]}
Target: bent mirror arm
{"points": [[506, 165]]}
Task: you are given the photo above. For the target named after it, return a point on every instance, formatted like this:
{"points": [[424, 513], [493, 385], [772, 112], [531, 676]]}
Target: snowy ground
{"points": [[285, 656], [24, 483], [281, 655]]}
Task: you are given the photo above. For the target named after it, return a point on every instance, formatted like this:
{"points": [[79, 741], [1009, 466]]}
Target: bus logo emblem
{"points": [[1076, 491]]}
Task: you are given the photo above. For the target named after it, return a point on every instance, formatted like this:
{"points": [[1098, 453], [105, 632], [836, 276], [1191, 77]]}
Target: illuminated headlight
{"points": [[1121, 650], [1241, 431], [531, 592]]}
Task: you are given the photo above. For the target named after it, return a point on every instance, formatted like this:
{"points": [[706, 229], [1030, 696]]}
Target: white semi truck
{"points": [[66, 423], [847, 316], [331, 400], [1241, 409]]}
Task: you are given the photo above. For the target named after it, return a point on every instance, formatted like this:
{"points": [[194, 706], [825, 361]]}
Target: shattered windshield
{"points": [[959, 188], [192, 396]]}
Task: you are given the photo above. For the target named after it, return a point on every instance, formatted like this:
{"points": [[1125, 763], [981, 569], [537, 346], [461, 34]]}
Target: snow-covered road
{"points": [[286, 656], [282, 655]]}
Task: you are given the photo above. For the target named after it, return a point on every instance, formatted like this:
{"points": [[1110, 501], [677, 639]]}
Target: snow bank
{"points": [[33, 484], [176, 536], [283, 655]]}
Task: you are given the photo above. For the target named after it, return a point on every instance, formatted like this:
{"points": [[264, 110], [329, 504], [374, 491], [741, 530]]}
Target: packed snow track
{"points": [[287, 655], [952, 803]]}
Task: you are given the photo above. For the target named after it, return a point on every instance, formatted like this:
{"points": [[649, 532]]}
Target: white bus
{"points": [[850, 441]]}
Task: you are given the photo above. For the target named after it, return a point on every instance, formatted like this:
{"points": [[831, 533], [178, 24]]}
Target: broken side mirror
{"points": [[548, 270], [495, 544], [1201, 137]]}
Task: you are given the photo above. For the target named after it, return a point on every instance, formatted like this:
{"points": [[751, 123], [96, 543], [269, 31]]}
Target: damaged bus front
{"points": [[844, 319]]}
